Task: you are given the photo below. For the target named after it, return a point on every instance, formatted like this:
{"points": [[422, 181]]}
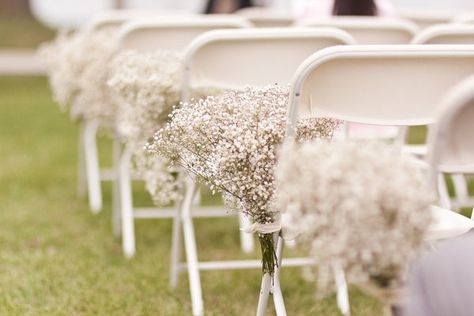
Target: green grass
{"points": [[56, 258]]}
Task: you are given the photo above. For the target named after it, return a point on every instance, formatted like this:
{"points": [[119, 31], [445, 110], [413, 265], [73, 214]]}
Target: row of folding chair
{"points": [[364, 30], [291, 45], [450, 141], [209, 71], [376, 91]]}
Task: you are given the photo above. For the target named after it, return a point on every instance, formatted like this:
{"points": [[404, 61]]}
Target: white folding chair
{"points": [[447, 34], [451, 145], [171, 34], [466, 17], [373, 87], [266, 17], [370, 30], [90, 174], [234, 59], [426, 17]]}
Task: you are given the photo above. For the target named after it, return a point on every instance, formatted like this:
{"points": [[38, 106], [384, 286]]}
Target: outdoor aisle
{"points": [[57, 258]]}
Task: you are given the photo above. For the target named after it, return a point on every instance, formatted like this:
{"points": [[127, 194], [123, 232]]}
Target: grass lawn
{"points": [[56, 258]]}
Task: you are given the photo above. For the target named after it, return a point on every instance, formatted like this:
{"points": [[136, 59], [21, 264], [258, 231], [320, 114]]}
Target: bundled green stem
{"points": [[269, 257]]}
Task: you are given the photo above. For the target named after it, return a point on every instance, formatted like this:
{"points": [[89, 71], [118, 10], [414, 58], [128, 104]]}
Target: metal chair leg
{"points": [[342, 291], [460, 187], [443, 193], [81, 170], [278, 301], [126, 205], [116, 216], [92, 166], [190, 249], [176, 246]]}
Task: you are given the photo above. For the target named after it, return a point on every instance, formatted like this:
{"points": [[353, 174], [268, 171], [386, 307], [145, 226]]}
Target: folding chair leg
{"points": [[444, 199], [272, 285], [277, 294], [342, 291], [116, 217], [81, 170], [92, 166], [264, 294], [126, 205], [176, 247], [246, 239], [460, 186], [190, 248]]}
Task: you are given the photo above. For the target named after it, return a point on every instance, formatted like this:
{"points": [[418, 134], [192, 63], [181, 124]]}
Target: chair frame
{"points": [[193, 265], [439, 34], [313, 64], [125, 216], [372, 24], [458, 98]]}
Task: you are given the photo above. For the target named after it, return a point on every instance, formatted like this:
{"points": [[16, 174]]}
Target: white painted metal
{"points": [[92, 165], [116, 215], [126, 202]]}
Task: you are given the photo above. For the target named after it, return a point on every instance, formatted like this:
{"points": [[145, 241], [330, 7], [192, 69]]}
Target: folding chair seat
{"points": [[228, 59], [171, 33], [375, 89]]}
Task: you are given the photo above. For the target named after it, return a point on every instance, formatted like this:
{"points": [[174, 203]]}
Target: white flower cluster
{"points": [[358, 205], [77, 67], [149, 84], [230, 142]]}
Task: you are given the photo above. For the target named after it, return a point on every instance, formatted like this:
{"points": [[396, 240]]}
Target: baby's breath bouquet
{"points": [[230, 142], [77, 66], [149, 84], [358, 205]]}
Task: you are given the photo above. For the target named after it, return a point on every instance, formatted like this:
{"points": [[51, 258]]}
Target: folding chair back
{"points": [[173, 32], [113, 19], [371, 30], [451, 141], [467, 17], [446, 34], [266, 17], [384, 85], [236, 58], [426, 17]]}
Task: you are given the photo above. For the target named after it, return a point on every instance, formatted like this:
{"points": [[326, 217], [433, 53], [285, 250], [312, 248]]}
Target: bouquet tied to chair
{"points": [[230, 143]]}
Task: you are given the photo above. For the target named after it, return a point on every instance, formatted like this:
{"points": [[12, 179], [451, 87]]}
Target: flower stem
{"points": [[269, 258]]}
